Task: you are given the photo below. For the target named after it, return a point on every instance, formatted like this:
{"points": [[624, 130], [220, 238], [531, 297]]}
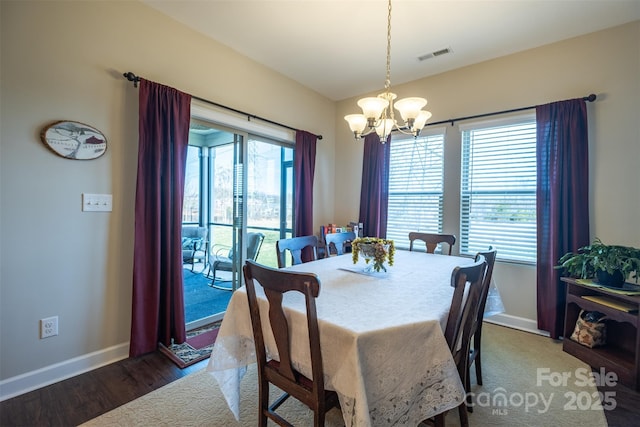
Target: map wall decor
{"points": [[74, 140]]}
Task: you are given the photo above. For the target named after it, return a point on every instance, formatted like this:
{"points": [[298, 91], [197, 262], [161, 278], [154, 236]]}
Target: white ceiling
{"points": [[338, 47]]}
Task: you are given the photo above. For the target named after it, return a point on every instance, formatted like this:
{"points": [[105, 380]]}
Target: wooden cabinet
{"points": [[621, 353]]}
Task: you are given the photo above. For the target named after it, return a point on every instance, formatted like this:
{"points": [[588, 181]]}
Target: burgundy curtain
{"points": [[562, 201], [304, 170], [158, 305], [374, 190]]}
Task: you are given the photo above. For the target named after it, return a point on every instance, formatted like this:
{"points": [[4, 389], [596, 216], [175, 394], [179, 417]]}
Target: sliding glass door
{"points": [[235, 184], [214, 194]]}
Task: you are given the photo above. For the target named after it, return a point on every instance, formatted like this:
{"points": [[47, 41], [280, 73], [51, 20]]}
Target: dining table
{"points": [[381, 335]]}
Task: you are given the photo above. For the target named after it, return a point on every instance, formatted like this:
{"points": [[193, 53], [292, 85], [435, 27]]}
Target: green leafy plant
{"points": [[598, 257]]}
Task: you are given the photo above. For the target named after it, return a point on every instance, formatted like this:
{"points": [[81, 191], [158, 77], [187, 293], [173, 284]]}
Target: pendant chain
{"points": [[387, 83]]}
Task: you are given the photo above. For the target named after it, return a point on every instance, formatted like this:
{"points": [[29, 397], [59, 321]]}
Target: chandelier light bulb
{"points": [[384, 129], [357, 123], [410, 108], [420, 121], [373, 107]]}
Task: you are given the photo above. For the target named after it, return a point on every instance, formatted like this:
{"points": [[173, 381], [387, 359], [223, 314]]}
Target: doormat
{"points": [[197, 347]]}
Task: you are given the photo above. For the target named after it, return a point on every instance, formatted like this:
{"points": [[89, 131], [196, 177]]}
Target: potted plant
{"points": [[610, 264]]}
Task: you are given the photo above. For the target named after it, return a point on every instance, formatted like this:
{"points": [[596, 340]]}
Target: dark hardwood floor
{"points": [[81, 398], [76, 400]]}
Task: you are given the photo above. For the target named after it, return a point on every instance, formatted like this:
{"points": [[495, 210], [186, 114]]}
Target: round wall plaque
{"points": [[74, 140]]}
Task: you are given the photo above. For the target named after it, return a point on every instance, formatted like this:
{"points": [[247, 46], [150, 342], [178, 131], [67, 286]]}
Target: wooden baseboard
{"points": [[29, 381], [520, 323]]}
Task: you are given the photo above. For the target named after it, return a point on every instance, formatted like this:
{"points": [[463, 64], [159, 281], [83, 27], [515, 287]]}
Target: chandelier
{"points": [[377, 112]]}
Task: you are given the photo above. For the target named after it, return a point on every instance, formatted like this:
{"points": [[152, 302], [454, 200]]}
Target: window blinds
{"points": [[415, 186], [498, 189]]}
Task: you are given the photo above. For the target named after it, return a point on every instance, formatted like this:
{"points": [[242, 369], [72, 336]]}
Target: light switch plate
{"points": [[97, 202]]}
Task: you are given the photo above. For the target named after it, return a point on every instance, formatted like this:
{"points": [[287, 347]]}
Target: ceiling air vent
{"points": [[434, 54]]}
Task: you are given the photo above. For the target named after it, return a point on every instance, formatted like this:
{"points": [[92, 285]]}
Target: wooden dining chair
{"points": [[295, 246], [462, 315], [282, 374], [337, 242], [432, 240], [474, 351]]}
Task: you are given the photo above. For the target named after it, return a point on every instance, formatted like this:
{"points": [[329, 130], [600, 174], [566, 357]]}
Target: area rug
{"points": [[200, 299], [516, 366], [197, 347]]}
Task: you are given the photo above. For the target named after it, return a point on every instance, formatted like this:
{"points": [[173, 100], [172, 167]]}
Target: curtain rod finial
{"points": [[591, 97], [132, 78]]}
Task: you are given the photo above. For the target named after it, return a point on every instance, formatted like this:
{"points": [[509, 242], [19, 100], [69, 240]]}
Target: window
{"points": [[191, 203], [498, 188], [416, 170]]}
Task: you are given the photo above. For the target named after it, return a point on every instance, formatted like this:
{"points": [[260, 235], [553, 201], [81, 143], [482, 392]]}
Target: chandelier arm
{"points": [[368, 131], [404, 130], [407, 132]]}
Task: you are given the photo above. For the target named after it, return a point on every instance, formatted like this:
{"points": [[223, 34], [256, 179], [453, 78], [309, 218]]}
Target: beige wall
{"points": [[64, 60], [606, 63]]}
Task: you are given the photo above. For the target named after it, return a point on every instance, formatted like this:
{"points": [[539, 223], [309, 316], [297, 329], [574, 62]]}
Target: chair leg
{"points": [[213, 282], [318, 418], [213, 276], [476, 346], [478, 369], [203, 261], [464, 418], [263, 404], [467, 387]]}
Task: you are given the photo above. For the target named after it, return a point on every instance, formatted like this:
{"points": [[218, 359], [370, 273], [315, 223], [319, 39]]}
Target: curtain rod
{"points": [[135, 79], [590, 98]]}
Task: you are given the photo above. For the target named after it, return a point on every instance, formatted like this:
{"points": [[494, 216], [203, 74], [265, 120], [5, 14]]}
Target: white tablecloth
{"points": [[382, 340]]}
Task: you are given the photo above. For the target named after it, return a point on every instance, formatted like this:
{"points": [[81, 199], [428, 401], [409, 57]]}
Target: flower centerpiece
{"points": [[375, 252]]}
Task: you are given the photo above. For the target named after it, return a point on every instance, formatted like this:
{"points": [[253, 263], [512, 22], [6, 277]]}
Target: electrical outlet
{"points": [[49, 327]]}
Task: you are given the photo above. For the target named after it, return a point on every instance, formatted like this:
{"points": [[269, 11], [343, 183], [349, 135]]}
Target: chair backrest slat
{"points": [[432, 240], [295, 246], [336, 242], [276, 283]]}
